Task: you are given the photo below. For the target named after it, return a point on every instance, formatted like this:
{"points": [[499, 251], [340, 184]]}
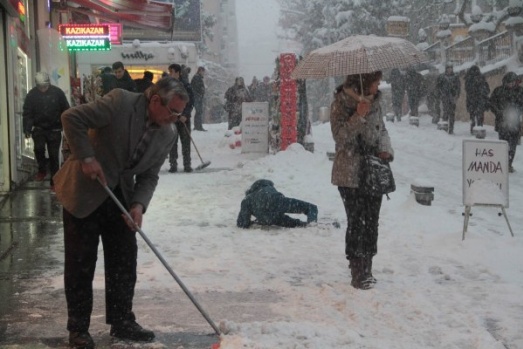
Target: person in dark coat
{"points": [[506, 102], [397, 85], [449, 88], [433, 99], [145, 82], [263, 91], [108, 80], [269, 207], [413, 86], [123, 78], [183, 125], [198, 86], [41, 120], [234, 97], [478, 91]]}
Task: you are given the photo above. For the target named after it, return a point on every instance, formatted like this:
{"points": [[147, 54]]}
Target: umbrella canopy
{"points": [[359, 54]]}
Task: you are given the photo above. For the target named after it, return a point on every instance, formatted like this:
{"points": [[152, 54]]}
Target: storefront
{"points": [[138, 57], [16, 153]]}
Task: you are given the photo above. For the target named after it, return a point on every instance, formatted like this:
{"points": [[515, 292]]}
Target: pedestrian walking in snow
{"points": [[357, 127], [449, 88], [270, 207], [413, 86], [506, 102], [41, 120], [397, 85], [121, 140], [478, 91]]}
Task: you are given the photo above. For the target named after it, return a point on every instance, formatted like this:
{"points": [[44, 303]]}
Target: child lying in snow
{"points": [[269, 207]]}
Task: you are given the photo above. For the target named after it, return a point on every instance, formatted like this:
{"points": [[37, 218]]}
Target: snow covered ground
{"points": [[434, 290]]}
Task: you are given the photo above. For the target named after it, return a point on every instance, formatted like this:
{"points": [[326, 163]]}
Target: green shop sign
{"points": [[88, 44]]}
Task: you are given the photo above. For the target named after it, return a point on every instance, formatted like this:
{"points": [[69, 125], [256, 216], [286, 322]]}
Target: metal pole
{"points": [[160, 257]]}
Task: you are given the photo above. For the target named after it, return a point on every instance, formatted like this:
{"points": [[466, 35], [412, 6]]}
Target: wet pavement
{"points": [[32, 301]]}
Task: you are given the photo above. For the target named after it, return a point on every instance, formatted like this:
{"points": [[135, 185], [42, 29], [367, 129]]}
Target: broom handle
{"points": [[160, 257], [195, 147]]}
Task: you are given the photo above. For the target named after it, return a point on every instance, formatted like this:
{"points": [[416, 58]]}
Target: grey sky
{"points": [[258, 43]]}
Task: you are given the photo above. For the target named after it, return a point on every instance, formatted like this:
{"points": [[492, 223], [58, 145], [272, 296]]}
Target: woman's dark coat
{"points": [[477, 90]]}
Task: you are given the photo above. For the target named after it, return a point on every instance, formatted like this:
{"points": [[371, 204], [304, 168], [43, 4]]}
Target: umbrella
{"points": [[359, 54]]}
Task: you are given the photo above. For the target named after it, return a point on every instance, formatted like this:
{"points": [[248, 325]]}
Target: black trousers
{"points": [[81, 237], [198, 116], [184, 134], [449, 113], [235, 119], [363, 213], [476, 118], [51, 140], [512, 139]]}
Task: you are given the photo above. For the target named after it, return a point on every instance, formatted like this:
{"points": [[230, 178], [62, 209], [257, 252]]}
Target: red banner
{"points": [[288, 99]]}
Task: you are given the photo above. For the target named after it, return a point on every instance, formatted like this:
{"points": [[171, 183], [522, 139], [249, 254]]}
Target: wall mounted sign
{"points": [[139, 55], [86, 37], [115, 32]]}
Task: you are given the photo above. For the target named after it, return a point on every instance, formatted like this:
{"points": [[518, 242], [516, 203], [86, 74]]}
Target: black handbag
{"points": [[376, 178]]}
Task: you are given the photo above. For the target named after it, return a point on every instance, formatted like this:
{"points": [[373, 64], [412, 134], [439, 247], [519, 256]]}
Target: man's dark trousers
{"points": [[81, 237], [185, 138], [198, 116], [51, 139]]}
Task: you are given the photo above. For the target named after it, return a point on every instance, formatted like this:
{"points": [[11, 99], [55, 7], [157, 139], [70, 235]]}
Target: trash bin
{"points": [[423, 194]]}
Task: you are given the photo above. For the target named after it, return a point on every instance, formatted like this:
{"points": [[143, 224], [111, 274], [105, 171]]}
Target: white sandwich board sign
{"points": [[485, 172], [485, 177], [255, 127]]}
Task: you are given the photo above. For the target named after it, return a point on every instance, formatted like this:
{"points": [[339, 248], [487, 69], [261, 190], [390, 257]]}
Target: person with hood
{"points": [[449, 88], [397, 86], [234, 97], [506, 102], [41, 120], [269, 207], [123, 78], [478, 91], [358, 129]]}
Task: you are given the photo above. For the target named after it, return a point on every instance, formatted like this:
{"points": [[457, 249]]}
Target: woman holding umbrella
{"points": [[357, 127]]}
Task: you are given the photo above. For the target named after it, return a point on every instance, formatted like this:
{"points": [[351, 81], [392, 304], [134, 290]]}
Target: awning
{"points": [[134, 13]]}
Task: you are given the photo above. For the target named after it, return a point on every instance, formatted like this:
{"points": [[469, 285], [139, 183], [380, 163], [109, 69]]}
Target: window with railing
{"points": [[495, 49], [462, 52]]}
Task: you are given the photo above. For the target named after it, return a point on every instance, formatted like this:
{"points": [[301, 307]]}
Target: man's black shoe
{"points": [[173, 169], [80, 340], [187, 169], [132, 331], [200, 129]]}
